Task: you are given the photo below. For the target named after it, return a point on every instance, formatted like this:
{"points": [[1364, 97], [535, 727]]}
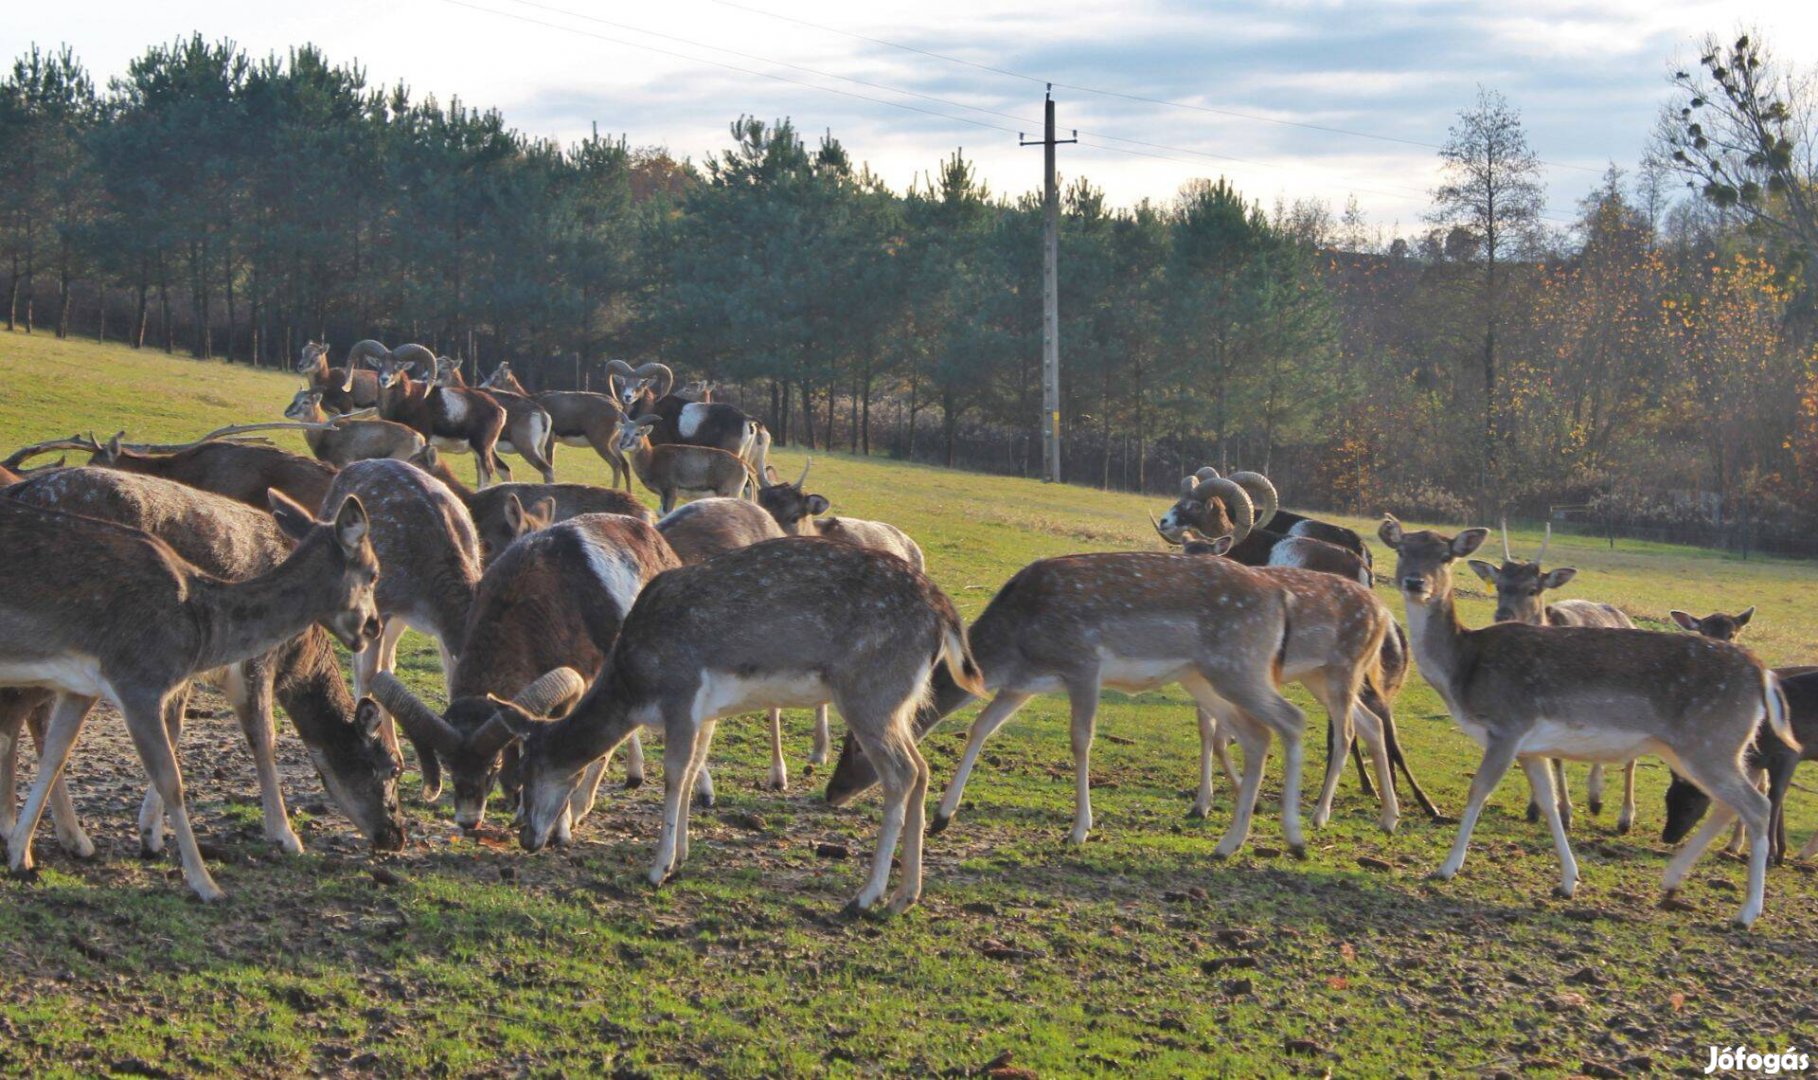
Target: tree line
{"points": [[1649, 365]]}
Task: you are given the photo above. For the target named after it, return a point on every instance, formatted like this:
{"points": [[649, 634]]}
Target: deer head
{"points": [[1519, 584]]}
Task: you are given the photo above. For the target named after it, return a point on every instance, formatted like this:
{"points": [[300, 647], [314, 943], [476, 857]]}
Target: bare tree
{"points": [[1492, 190]]}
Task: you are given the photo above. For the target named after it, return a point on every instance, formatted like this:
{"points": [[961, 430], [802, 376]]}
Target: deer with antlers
{"points": [[234, 542], [452, 419], [217, 462], [91, 609], [1519, 585], [1529, 693]]}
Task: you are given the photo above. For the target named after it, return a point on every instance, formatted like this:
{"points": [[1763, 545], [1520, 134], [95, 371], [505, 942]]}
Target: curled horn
{"points": [[550, 691], [422, 722], [1237, 504], [1159, 531], [1262, 495], [1204, 473], [1507, 557], [620, 367], [368, 349], [1541, 555], [414, 354], [654, 370]]}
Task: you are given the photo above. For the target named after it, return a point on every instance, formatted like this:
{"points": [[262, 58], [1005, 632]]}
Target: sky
{"points": [[1322, 99]]}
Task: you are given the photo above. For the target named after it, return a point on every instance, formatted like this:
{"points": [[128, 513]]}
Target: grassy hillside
{"points": [[1134, 953]]}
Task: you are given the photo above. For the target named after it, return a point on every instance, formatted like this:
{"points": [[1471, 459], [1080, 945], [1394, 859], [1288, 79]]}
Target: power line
{"points": [[1236, 114]]}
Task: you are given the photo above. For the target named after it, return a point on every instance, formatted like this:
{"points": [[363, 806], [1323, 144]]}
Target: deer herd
{"points": [[568, 618]]}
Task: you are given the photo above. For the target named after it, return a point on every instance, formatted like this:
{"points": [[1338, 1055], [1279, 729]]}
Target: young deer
{"points": [[673, 469], [1519, 585], [577, 418], [552, 602], [786, 623], [431, 553], [1530, 693], [234, 542], [348, 441], [91, 609]]}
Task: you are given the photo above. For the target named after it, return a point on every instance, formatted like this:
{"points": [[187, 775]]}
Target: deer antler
{"points": [[74, 442], [1506, 556], [223, 433], [1545, 540]]}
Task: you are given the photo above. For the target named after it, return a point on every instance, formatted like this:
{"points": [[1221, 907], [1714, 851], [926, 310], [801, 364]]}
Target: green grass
{"points": [[1136, 953]]}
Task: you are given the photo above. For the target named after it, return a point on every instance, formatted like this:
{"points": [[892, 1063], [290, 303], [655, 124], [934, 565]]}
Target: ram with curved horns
{"points": [[453, 419], [645, 391]]}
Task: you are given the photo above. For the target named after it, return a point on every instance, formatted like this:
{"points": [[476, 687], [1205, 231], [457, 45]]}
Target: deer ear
{"points": [[1553, 579], [368, 715], [514, 513], [1686, 620], [1220, 545], [351, 525], [543, 511], [291, 517], [1742, 620], [1484, 571], [1389, 532], [1468, 541], [818, 504]]}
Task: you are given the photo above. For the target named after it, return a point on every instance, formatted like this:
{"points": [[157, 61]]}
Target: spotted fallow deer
{"points": [[1228, 634], [431, 553], [241, 471], [232, 541], [1530, 693], [1519, 585], [786, 623], [339, 440], [90, 609]]}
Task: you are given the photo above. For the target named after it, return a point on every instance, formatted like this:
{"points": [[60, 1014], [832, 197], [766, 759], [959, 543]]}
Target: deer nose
{"points": [[1413, 584]]}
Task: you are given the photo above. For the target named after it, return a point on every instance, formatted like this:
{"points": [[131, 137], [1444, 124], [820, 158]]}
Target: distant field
{"points": [[1135, 953]]}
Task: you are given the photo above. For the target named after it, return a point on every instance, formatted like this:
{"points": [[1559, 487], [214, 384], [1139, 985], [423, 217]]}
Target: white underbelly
{"points": [[70, 674], [1586, 742], [1133, 673], [723, 693], [504, 447], [450, 446]]}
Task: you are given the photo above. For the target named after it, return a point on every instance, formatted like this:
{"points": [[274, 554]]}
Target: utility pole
{"points": [[1051, 467]]}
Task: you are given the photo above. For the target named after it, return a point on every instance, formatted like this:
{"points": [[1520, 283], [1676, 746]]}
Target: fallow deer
{"points": [[1531, 693], [91, 609], [231, 541], [241, 471], [1519, 585], [552, 602], [340, 441], [431, 553], [674, 469], [785, 623], [453, 419], [578, 418]]}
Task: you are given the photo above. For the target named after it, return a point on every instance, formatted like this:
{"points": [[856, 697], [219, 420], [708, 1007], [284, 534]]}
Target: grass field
{"points": [[1135, 953]]}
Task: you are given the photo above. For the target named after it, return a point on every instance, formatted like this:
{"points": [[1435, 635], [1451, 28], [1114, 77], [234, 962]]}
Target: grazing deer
{"points": [[490, 507], [233, 542], [1213, 506], [1519, 585], [786, 623], [794, 510], [453, 419], [241, 471], [552, 603], [577, 418], [136, 622], [340, 441], [1532, 693], [343, 389], [431, 553], [674, 469], [528, 432]]}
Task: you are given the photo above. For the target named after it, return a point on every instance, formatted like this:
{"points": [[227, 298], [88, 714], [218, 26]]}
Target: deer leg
{"points": [[1734, 796], [823, 735], [148, 720], [1381, 708], [12, 722], [1593, 789], [1734, 847], [778, 779], [249, 689], [634, 762], [703, 789], [1083, 697], [990, 718], [1339, 743], [1370, 727], [1810, 849], [1497, 757], [680, 726], [1265, 703], [1625, 820], [70, 835], [697, 764], [1208, 739], [1564, 801], [1254, 738], [1541, 780], [1780, 777], [67, 714], [151, 810]]}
